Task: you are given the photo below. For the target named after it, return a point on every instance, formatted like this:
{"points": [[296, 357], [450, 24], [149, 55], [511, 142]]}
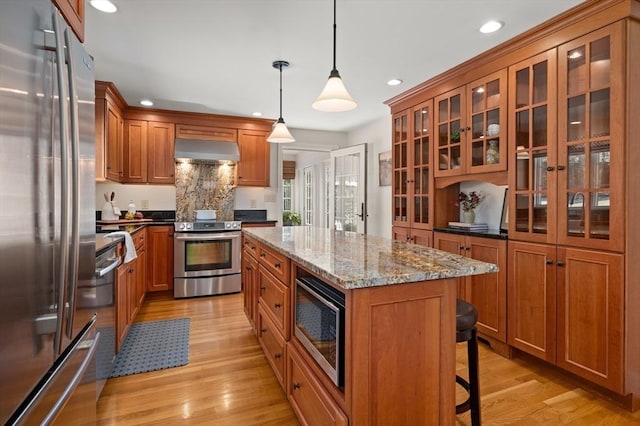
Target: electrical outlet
{"points": [[144, 205], [252, 204]]}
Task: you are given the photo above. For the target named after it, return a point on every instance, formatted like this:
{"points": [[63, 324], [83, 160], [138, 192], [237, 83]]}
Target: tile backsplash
{"points": [[205, 186]]}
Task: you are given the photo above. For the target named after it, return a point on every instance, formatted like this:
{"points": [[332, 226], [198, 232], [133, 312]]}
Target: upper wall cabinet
{"points": [[148, 148], [470, 127], [253, 168], [73, 12], [109, 128]]}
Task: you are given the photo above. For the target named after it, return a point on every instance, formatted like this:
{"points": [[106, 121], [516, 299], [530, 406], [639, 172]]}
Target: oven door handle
{"points": [[104, 271], [207, 237]]}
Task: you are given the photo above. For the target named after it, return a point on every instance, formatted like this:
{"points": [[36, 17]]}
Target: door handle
{"points": [[361, 215]]}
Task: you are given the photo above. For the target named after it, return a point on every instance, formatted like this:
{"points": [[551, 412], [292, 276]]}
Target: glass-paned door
{"points": [[532, 112], [349, 174], [308, 196], [450, 131], [421, 172], [590, 146], [400, 176], [486, 134]]}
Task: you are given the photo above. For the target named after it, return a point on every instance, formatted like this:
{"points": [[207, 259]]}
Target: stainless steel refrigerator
{"points": [[47, 219]]}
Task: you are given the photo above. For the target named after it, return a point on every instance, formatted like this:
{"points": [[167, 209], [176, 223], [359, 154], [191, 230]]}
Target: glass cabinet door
{"points": [[486, 141], [532, 153], [421, 174], [590, 146], [450, 128], [400, 160]]}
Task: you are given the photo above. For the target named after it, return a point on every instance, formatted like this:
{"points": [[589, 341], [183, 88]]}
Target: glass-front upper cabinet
{"points": [[421, 176], [469, 122], [591, 141], [532, 153], [486, 141], [400, 161]]}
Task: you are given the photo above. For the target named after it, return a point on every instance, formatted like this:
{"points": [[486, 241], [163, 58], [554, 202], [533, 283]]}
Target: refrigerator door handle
{"points": [[73, 383], [64, 181], [75, 185]]}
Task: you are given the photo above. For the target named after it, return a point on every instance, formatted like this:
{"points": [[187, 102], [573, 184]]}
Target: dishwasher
{"points": [[99, 295]]}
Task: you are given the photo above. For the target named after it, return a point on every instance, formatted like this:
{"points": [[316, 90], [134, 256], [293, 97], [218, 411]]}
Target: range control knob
{"points": [[182, 226], [189, 226]]}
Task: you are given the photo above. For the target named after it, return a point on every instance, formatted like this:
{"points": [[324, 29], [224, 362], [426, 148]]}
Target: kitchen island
{"points": [[399, 331]]}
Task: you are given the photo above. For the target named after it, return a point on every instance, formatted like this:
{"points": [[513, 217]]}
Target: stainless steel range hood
{"points": [[193, 150]]}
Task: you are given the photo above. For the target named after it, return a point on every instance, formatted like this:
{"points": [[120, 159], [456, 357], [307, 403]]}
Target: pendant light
{"points": [[280, 133], [334, 97]]}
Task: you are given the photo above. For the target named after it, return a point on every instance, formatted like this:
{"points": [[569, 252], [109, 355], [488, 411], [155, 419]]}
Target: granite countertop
{"points": [[354, 261]]}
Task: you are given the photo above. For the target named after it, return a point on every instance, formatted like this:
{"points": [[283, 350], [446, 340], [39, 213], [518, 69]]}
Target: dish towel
{"points": [[128, 243]]}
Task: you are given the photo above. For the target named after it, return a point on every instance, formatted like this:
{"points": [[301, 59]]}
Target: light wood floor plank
{"points": [[228, 381]]}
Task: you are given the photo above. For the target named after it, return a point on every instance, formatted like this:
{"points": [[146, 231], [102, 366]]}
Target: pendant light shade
{"points": [[280, 133], [334, 97]]}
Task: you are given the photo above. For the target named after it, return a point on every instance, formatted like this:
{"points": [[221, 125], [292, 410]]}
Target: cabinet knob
{"points": [[262, 255], [549, 262], [277, 265], [561, 167], [550, 168], [296, 386], [263, 288], [263, 330], [277, 305], [560, 263], [277, 355], [467, 248]]}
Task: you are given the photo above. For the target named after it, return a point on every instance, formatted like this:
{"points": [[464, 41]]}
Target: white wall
{"points": [[377, 136], [158, 197], [490, 208]]}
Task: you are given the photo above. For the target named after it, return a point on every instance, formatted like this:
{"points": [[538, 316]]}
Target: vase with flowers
{"points": [[468, 203]]}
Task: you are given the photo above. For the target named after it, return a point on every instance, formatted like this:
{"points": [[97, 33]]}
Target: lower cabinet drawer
{"points": [[273, 345], [311, 403], [274, 298]]}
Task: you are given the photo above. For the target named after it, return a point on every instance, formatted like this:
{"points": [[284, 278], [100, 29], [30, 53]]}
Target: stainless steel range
{"points": [[206, 258]]}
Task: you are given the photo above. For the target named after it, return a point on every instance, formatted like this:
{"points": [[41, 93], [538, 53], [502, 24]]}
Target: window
{"points": [[308, 196], [287, 195]]}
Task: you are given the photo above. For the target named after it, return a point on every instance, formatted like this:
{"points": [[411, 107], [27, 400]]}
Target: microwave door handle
{"points": [[64, 181], [75, 186]]}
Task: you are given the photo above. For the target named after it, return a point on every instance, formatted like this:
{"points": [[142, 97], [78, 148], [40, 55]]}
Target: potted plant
{"points": [[469, 202], [291, 218]]}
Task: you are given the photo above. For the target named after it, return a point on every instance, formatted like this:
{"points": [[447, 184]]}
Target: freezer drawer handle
{"points": [[104, 271], [60, 403]]}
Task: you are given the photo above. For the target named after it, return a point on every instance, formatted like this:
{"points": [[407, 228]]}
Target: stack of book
{"points": [[469, 226]]}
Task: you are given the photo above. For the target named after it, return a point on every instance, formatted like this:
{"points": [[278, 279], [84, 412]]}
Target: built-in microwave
{"points": [[319, 324]]}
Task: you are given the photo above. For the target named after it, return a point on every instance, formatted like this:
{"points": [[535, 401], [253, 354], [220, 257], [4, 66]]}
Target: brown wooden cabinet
{"points": [[149, 152], [109, 133], [412, 178], [272, 343], [488, 292], [470, 126], [566, 306], [250, 281], [311, 403], [161, 162], [160, 261], [73, 12], [253, 169], [122, 304]]}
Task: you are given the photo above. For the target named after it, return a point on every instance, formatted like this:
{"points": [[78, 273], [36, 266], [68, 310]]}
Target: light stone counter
{"points": [[352, 260]]}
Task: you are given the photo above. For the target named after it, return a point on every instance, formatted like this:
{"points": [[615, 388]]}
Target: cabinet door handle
{"points": [[550, 168], [277, 355], [560, 263], [549, 262], [277, 305], [296, 386], [263, 330], [262, 255], [561, 167], [263, 288], [277, 265]]}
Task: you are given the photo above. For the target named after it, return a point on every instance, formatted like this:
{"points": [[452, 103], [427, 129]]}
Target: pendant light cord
{"points": [[280, 68], [334, 70]]}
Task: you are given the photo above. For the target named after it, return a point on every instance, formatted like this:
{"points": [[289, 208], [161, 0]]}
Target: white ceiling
{"points": [[215, 55]]}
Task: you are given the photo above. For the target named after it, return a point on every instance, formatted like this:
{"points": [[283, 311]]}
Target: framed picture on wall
{"points": [[384, 168]]}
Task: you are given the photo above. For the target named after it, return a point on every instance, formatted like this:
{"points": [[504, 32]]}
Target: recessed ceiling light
{"points": [[394, 82], [490, 27], [104, 6], [256, 114], [146, 102]]}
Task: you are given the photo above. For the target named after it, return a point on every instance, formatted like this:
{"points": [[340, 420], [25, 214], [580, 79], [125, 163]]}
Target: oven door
{"points": [[206, 254]]}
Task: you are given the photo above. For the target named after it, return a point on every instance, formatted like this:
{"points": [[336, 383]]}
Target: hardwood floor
{"points": [[229, 382]]}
